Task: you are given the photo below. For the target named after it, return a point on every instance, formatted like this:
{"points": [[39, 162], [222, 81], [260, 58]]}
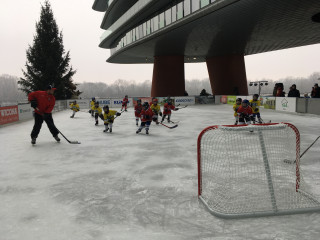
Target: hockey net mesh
{"points": [[245, 173]]}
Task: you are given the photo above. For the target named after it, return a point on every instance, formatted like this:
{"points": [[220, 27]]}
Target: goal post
{"points": [[242, 171]]}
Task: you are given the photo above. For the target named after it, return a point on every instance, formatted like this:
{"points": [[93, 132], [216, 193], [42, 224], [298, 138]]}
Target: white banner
{"points": [[117, 102], [184, 100], [287, 104], [25, 111], [104, 101], [83, 103]]}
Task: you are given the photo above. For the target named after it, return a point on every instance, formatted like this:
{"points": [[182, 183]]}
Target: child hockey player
{"points": [[74, 107], [167, 110], [109, 118], [235, 109], [255, 104], [156, 110], [146, 117], [92, 106], [245, 112], [124, 103], [97, 112], [137, 111]]}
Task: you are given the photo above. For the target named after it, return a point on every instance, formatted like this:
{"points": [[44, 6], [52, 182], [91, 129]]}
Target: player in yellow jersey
{"points": [[156, 110], [97, 112], [92, 106], [74, 107], [255, 104], [235, 109], [109, 118]]}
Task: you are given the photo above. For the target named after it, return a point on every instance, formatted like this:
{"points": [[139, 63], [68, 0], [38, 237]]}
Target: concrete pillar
{"points": [[227, 75], [168, 76]]}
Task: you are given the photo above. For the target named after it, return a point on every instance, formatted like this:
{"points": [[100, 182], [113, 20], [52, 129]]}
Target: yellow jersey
{"points": [[92, 104], [235, 108], [75, 107], [255, 105], [155, 108], [97, 109], [109, 117]]}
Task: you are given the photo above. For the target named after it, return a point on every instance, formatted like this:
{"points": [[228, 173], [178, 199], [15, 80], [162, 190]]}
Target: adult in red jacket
{"points": [[43, 103], [167, 110], [146, 118]]}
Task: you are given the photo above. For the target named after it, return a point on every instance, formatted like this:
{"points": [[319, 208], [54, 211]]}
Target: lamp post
{"points": [[259, 83]]}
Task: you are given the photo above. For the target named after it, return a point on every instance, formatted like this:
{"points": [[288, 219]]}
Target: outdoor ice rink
{"points": [[123, 185]]}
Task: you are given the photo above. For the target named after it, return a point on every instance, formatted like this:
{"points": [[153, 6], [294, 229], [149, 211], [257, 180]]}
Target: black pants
{"points": [[38, 120]]}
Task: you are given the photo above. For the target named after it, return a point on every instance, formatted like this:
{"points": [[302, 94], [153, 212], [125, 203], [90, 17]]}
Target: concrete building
{"points": [[169, 33]]}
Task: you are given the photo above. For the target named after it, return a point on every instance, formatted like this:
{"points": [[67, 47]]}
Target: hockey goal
{"points": [[242, 171]]}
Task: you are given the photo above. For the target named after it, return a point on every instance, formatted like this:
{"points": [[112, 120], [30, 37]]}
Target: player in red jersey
{"points": [[167, 110], [125, 103], [146, 118], [137, 111], [245, 113]]}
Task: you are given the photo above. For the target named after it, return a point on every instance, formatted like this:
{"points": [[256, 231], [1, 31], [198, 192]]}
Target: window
{"points": [[155, 23], [140, 31], [179, 11], [174, 14], [195, 5], [186, 7], [148, 27], [144, 28], [161, 20], [204, 3], [168, 17]]}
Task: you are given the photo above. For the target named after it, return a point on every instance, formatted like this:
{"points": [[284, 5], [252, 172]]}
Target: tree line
{"points": [[10, 89]]}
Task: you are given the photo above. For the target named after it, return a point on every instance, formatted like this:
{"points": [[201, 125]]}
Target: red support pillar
{"points": [[168, 76], [227, 75]]}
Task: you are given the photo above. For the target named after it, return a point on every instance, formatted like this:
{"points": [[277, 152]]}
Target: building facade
{"points": [[169, 33]]}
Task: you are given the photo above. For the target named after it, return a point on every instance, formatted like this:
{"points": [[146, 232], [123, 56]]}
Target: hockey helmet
{"points": [[255, 96], [145, 104], [105, 107], [96, 103], [239, 100], [93, 99], [245, 101]]}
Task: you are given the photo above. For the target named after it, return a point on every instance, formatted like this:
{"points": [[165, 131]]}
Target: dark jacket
{"points": [[294, 93]]}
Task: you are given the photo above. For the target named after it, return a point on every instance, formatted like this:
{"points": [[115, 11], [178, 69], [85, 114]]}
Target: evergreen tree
{"points": [[47, 62]]}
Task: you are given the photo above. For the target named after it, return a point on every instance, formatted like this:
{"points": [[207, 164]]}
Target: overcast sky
{"points": [[80, 26]]}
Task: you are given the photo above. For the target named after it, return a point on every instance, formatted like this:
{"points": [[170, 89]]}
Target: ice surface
{"points": [[125, 185]]}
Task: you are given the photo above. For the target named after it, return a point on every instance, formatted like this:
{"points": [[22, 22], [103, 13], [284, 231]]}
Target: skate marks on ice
{"points": [[127, 203]]}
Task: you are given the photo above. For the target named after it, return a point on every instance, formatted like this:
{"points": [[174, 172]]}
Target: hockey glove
{"points": [[118, 114], [34, 103]]}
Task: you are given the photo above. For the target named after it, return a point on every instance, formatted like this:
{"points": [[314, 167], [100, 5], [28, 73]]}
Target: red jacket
{"points": [[45, 101], [138, 110], [125, 101], [167, 108], [146, 115], [245, 111]]}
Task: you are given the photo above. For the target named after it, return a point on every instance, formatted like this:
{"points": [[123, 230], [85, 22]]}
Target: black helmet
{"points": [[105, 107], [256, 95], [145, 104], [139, 100], [239, 100], [96, 103], [93, 98]]}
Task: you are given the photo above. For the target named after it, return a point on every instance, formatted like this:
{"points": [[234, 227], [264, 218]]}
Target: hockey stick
{"points": [[71, 142], [169, 126], [182, 107], [52, 125], [289, 161]]}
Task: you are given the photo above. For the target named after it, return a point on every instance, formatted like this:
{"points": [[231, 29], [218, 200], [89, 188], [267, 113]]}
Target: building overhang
{"points": [[100, 5], [242, 28]]}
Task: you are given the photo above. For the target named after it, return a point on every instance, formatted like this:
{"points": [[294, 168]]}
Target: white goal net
{"points": [[254, 170]]}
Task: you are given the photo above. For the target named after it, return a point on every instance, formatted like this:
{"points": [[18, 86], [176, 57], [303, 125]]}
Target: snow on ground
{"points": [[128, 186]]}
